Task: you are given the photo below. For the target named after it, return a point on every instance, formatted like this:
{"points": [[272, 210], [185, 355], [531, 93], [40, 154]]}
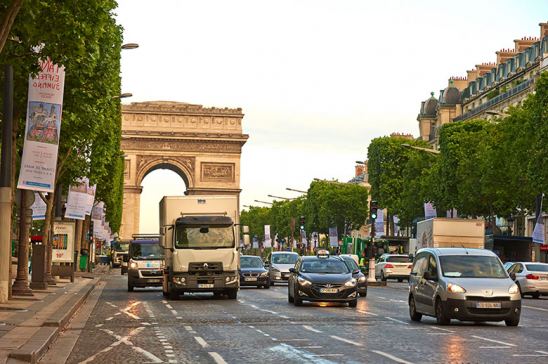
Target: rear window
{"points": [[399, 259], [537, 267]]}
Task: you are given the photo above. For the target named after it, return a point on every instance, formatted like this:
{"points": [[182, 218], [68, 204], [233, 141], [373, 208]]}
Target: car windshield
{"points": [[471, 266], [251, 262], [327, 266], [398, 259], [284, 258], [351, 263], [145, 251], [537, 267], [203, 237]]}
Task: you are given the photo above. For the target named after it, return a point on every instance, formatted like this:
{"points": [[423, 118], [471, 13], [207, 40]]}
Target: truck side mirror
{"points": [[164, 240]]}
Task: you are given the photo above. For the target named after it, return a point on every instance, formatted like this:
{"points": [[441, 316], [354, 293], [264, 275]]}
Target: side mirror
{"points": [[355, 271], [513, 276], [430, 277], [291, 270], [125, 258]]}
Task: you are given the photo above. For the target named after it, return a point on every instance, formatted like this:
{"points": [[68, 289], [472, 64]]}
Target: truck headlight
{"points": [[231, 280], [133, 265], [303, 282], [350, 283], [179, 280], [513, 289]]}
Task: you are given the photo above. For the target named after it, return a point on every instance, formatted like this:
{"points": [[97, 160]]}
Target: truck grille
{"points": [[151, 273], [205, 267]]}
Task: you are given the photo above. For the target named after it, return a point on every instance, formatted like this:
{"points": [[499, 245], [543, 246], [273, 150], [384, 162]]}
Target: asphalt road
{"points": [[116, 326]]}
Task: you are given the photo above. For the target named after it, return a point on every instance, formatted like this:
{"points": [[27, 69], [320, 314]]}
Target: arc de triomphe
{"points": [[202, 145]]}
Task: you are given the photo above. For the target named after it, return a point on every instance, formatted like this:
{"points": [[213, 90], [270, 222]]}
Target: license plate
{"points": [[328, 290], [251, 279], [205, 285], [488, 305], [154, 280]]}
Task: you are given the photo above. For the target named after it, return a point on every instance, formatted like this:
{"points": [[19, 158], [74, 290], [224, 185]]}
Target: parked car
{"points": [[253, 272], [322, 278], [531, 278], [278, 264], [462, 284], [393, 266], [356, 273]]}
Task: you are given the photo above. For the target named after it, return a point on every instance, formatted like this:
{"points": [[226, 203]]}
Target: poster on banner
{"points": [[255, 243], [304, 241], [314, 237], [91, 198], [333, 237], [38, 208], [539, 234], [97, 228], [63, 242], [451, 214], [429, 210], [267, 240], [98, 211], [77, 201], [379, 223], [275, 245], [396, 220], [43, 128]]}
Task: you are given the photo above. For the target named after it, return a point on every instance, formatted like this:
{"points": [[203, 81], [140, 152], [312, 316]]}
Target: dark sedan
{"points": [[252, 272], [356, 273], [322, 278]]}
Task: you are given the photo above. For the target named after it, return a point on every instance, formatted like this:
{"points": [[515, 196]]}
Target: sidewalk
{"points": [[28, 325]]}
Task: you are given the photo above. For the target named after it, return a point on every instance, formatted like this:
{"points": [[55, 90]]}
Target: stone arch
{"points": [[177, 165]]}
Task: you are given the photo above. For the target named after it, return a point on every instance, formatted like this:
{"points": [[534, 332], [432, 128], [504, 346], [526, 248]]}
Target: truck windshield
{"points": [[146, 251], [471, 266], [203, 237]]}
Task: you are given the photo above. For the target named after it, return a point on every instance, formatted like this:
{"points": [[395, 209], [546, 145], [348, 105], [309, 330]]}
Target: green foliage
{"points": [[256, 218]]}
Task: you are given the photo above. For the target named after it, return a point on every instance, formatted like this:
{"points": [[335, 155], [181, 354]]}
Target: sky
{"points": [[317, 80]]}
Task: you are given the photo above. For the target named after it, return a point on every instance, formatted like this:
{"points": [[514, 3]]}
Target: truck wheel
{"points": [[233, 294]]}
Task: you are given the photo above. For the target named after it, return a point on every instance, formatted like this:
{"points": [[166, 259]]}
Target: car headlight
{"points": [[303, 282], [133, 265], [350, 283], [455, 288], [513, 289], [264, 274], [362, 279]]}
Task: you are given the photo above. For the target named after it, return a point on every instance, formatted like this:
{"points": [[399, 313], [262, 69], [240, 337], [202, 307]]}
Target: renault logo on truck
{"points": [[206, 266]]}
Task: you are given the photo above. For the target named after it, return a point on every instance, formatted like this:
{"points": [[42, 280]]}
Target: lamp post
{"points": [[428, 150], [265, 202], [295, 190], [281, 198]]}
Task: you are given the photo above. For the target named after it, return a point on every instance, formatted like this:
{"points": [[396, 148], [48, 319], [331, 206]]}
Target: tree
{"points": [[256, 218]]}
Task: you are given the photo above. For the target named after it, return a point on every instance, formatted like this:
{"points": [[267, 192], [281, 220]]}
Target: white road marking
{"points": [[437, 333], [218, 359], [125, 310], [441, 329], [179, 318], [345, 340], [296, 340], [164, 301], [542, 352], [396, 320], [172, 361], [320, 355], [117, 313], [98, 325], [531, 355], [309, 347], [367, 313], [188, 328], [495, 347], [392, 357], [535, 308], [174, 312], [109, 318], [311, 329], [169, 351], [296, 355], [284, 317], [201, 341], [169, 306], [493, 341]]}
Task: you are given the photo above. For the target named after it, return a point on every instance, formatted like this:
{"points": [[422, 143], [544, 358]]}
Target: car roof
{"points": [[274, 253], [395, 255], [314, 257], [458, 251], [145, 241], [250, 256]]}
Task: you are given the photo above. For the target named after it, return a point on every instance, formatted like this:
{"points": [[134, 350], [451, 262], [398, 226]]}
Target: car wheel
{"points": [[353, 303], [363, 294], [413, 314], [514, 321], [441, 316], [267, 286], [232, 294], [297, 301], [271, 283], [383, 278], [289, 298], [535, 295], [129, 288]]}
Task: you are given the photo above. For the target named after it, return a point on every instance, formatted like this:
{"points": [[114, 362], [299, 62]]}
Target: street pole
{"points": [[371, 274], [5, 186], [21, 284]]}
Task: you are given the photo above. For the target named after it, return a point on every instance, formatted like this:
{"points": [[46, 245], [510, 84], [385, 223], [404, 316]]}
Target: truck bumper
{"points": [[185, 282]]}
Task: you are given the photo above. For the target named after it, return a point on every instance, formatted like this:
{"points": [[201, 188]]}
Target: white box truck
{"points": [[201, 243], [450, 233]]}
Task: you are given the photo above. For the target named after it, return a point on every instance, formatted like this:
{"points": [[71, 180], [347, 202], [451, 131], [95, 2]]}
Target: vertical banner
{"points": [[452, 214], [396, 220], [333, 237], [38, 208], [43, 128], [255, 243], [315, 239], [539, 232], [379, 223], [63, 242], [91, 198], [77, 201], [304, 241], [267, 240], [429, 210]]}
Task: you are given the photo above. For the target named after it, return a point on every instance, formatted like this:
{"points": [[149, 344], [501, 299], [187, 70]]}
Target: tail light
{"points": [[531, 276], [389, 266], [410, 266]]}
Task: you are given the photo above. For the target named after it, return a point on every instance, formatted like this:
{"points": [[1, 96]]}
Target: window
{"points": [[284, 258], [537, 267], [327, 266], [432, 266], [420, 265], [471, 266], [251, 262]]}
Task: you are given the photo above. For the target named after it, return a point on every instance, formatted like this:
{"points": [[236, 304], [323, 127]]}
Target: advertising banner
{"points": [[90, 197], [267, 240], [304, 241], [98, 211], [63, 242], [333, 237], [43, 128], [429, 210], [314, 239], [379, 223], [77, 201], [38, 208], [396, 225]]}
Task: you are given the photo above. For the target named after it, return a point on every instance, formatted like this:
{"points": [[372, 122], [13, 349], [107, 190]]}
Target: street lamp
{"points": [[282, 198], [123, 95], [130, 46], [428, 150], [265, 202], [295, 190]]}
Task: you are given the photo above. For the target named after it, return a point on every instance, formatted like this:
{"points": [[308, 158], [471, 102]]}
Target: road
{"points": [[116, 326]]}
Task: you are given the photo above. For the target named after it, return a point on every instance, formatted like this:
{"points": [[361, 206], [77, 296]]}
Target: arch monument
{"points": [[202, 145]]}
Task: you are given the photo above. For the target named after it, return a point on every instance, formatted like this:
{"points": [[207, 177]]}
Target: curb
{"points": [[33, 350]]}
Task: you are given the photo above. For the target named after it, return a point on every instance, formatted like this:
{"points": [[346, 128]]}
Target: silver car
{"points": [[462, 284], [531, 278], [278, 264]]}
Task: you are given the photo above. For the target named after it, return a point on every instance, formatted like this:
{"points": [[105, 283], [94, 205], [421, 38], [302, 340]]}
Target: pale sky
{"points": [[316, 80]]}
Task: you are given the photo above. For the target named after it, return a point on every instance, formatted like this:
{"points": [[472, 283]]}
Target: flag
{"points": [[539, 232]]}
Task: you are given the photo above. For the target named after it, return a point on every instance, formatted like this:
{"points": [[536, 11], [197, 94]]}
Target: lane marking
{"points": [[367, 313], [201, 341], [321, 355], [296, 340], [542, 352], [345, 340], [188, 328], [179, 318], [396, 320], [98, 325], [493, 341], [309, 347], [218, 359], [169, 306], [495, 347], [306, 327], [109, 318], [295, 355], [441, 329], [125, 310], [535, 308], [174, 312], [390, 356], [531, 355]]}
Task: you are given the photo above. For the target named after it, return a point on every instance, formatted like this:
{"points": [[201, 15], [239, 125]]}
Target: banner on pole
{"points": [[396, 220], [333, 237], [77, 201], [90, 197], [267, 240], [379, 223], [43, 128], [429, 210], [539, 232], [38, 208]]}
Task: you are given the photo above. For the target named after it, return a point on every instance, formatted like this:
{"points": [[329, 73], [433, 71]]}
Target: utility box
{"points": [[38, 278], [451, 233]]}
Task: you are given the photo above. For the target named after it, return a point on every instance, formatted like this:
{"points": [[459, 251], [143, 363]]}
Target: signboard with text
{"points": [[63, 242]]}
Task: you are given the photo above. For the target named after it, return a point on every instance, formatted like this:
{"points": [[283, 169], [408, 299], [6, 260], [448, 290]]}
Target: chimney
{"points": [[485, 68], [543, 30], [359, 169], [524, 43], [472, 75], [505, 54], [459, 82]]}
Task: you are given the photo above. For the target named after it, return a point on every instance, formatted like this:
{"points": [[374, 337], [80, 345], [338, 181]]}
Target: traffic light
{"points": [[302, 222], [373, 207]]}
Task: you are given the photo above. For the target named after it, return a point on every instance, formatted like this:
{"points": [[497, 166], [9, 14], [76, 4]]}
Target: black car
{"points": [[322, 278], [357, 274], [252, 272]]}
